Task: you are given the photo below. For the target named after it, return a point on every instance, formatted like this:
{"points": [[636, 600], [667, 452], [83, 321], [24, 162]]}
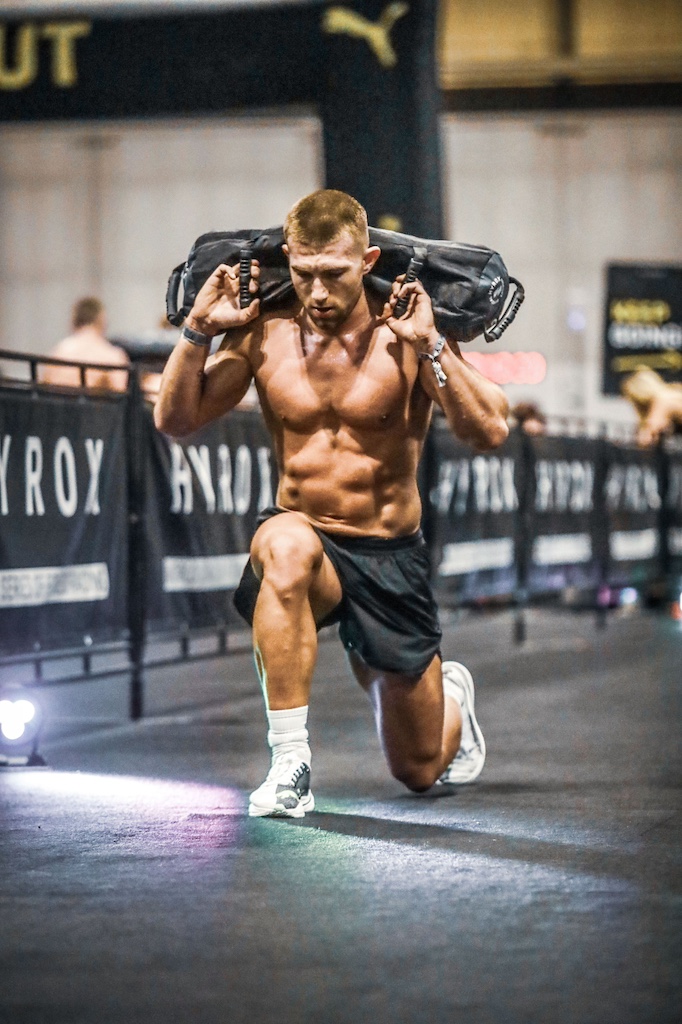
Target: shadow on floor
{"points": [[628, 866]]}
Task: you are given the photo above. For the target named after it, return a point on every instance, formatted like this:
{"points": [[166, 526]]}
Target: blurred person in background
{"points": [[530, 418], [87, 344], [658, 405]]}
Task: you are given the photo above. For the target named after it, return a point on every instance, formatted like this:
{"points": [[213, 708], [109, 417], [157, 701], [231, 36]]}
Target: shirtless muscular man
{"points": [[347, 392]]}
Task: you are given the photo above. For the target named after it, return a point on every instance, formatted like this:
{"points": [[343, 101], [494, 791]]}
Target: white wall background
{"points": [[111, 209], [560, 196]]}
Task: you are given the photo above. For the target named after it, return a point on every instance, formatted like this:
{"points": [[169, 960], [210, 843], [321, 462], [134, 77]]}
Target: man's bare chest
{"points": [[307, 387]]}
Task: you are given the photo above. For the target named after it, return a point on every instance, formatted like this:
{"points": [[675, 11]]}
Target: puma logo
{"points": [[344, 21]]}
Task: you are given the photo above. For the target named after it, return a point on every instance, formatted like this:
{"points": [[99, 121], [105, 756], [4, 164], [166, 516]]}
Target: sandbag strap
{"points": [[245, 257], [414, 269], [175, 316], [497, 329]]}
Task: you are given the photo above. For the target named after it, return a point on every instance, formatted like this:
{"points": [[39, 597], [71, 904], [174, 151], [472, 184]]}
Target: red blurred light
{"points": [[509, 367]]}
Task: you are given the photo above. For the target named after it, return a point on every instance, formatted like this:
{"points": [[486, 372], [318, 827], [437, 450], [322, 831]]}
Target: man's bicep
{"points": [[227, 376]]}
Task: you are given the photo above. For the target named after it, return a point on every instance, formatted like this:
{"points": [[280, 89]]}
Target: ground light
{"points": [[21, 720]]}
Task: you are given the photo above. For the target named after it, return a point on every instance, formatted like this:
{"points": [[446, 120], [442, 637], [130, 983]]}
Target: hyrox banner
{"points": [[203, 499], [591, 515], [564, 526], [540, 515], [474, 501], [536, 515], [673, 513], [63, 521], [633, 502]]}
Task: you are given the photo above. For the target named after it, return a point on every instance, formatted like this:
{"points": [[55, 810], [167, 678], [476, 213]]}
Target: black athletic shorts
{"points": [[387, 613]]}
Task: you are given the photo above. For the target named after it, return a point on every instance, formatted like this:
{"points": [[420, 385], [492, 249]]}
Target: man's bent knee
{"points": [[287, 553], [285, 546], [417, 777]]}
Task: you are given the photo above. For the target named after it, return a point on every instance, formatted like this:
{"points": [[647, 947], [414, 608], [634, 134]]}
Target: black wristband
{"points": [[196, 337]]}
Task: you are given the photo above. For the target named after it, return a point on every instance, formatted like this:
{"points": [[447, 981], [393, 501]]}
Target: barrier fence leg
{"points": [[600, 534], [665, 519], [523, 533], [136, 690], [520, 630], [137, 605], [601, 619]]}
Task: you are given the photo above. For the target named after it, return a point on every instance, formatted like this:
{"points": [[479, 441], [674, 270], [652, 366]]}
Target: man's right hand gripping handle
{"points": [[190, 395], [217, 307]]}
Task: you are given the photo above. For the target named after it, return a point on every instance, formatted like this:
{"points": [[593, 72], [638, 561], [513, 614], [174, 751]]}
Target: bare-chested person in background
{"points": [[658, 405], [87, 344], [347, 392]]}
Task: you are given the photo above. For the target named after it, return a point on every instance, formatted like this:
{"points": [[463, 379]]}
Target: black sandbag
{"points": [[468, 284]]}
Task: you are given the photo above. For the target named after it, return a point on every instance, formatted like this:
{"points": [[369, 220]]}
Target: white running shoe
{"points": [[285, 792], [470, 758]]}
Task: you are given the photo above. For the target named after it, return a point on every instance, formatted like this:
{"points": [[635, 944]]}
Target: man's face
{"points": [[328, 279]]}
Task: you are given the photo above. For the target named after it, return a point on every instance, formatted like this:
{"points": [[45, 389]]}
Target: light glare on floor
{"points": [[20, 723], [15, 716]]}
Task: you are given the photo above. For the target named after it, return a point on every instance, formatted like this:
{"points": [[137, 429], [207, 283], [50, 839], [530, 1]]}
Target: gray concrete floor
{"points": [[133, 887]]}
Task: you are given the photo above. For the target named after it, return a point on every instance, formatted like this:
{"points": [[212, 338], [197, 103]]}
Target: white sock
{"points": [[287, 733]]}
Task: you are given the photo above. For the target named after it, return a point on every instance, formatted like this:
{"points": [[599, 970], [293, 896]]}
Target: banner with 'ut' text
{"points": [[63, 521]]}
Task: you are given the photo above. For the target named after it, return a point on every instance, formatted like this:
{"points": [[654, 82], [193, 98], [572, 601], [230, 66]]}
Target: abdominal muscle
{"points": [[344, 488]]}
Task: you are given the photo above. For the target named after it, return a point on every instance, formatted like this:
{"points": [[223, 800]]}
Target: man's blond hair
{"points": [[323, 216]]}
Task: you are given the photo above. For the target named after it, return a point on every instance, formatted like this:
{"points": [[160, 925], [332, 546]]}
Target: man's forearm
{"points": [[475, 408], [178, 407]]}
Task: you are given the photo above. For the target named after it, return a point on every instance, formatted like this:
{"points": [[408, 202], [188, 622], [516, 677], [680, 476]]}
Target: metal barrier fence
{"points": [[120, 549]]}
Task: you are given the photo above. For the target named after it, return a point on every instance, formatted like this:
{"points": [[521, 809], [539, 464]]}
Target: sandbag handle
{"points": [[245, 296], [414, 269], [497, 329], [174, 316]]}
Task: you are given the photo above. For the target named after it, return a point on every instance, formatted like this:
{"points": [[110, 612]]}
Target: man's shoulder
{"points": [[249, 339], [274, 324], [284, 315], [88, 348], [70, 348], [104, 351]]}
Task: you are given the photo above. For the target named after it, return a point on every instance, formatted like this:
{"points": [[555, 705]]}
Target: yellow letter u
{"points": [[26, 64]]}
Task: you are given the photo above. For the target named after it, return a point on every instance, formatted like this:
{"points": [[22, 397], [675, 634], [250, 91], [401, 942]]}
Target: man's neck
{"points": [[358, 325]]}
